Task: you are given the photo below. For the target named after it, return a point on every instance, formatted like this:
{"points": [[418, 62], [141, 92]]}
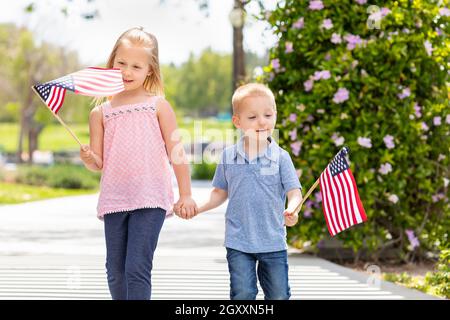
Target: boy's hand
{"points": [[86, 154], [186, 207], [290, 219]]}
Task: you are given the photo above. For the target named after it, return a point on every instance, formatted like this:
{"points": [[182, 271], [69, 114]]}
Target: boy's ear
{"points": [[236, 121]]}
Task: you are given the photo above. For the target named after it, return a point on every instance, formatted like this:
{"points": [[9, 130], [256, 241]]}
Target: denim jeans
{"points": [[131, 239], [271, 269]]}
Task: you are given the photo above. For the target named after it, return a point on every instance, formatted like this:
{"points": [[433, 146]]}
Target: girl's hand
{"points": [[290, 218], [186, 207], [86, 154]]}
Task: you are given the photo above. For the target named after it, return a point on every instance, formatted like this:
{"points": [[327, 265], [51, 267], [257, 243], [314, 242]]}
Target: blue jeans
{"points": [[272, 273], [131, 239]]}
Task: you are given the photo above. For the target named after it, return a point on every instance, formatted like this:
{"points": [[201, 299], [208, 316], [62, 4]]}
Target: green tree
{"points": [[27, 64], [203, 85]]}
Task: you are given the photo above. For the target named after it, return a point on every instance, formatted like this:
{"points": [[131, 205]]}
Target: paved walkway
{"points": [[54, 249]]}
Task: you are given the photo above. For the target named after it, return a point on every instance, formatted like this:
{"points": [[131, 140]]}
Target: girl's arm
{"points": [[92, 155], [216, 198], [294, 199], [175, 151]]}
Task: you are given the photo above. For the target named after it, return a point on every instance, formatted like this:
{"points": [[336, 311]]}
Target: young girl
{"points": [[132, 139]]}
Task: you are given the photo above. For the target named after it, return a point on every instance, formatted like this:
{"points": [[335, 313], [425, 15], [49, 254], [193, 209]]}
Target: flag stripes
{"points": [[92, 81], [341, 204]]}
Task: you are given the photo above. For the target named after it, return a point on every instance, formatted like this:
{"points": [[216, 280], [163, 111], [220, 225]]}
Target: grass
{"points": [[55, 137], [416, 282], [11, 193]]}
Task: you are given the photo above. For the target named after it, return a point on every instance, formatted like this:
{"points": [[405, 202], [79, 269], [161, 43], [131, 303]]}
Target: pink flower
{"points": [[424, 126], [385, 11], [393, 198], [318, 196], [308, 84], [438, 196], [364, 142], [338, 140], [327, 24], [276, 64], [293, 117], [385, 168], [341, 95], [289, 47], [325, 74], [336, 38], [307, 213], [428, 47], [296, 147], [316, 5], [412, 238], [437, 121], [293, 134], [405, 93], [447, 119], [299, 23], [417, 110], [352, 41], [361, 2], [389, 141], [444, 12]]}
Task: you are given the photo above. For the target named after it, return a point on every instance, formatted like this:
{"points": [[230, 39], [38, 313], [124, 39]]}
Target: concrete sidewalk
{"points": [[54, 249]]}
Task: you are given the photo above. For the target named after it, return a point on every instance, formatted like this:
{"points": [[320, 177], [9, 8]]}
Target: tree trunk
{"points": [[33, 135]]}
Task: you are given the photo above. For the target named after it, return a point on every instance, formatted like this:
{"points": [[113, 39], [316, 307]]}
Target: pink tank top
{"points": [[136, 170]]}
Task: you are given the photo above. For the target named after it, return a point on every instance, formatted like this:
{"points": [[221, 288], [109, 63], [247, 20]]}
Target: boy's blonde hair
{"points": [[138, 36], [251, 90]]}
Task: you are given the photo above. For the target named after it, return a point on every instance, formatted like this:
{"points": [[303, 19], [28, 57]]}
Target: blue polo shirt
{"points": [[257, 188]]}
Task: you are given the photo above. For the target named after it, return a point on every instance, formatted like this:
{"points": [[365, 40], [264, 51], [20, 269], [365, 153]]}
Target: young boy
{"points": [[255, 175]]}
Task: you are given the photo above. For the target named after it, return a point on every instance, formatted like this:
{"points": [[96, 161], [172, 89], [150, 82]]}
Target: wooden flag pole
{"points": [[59, 119], [297, 210]]}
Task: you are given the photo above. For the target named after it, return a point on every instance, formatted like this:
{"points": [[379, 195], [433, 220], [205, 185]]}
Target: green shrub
{"points": [[440, 280], [203, 171], [382, 92], [59, 176]]}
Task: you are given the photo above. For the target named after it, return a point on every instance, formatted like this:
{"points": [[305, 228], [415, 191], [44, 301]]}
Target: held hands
{"points": [[290, 218], [185, 208]]}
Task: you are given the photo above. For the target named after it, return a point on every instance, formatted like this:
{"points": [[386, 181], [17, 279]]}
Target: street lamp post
{"points": [[237, 19]]}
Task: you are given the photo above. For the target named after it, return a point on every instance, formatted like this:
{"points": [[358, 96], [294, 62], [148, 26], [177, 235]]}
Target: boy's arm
{"points": [[216, 198], [294, 199]]}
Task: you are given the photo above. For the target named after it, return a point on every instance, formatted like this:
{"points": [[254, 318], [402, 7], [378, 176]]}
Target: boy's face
{"points": [[256, 117]]}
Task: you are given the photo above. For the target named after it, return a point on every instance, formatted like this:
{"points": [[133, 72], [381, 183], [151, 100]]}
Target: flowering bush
{"points": [[374, 78]]}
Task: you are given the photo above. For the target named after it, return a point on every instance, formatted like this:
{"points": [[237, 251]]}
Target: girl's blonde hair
{"points": [[138, 36]]}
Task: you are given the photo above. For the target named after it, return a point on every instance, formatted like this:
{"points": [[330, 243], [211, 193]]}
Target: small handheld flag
{"points": [[341, 204], [92, 81]]}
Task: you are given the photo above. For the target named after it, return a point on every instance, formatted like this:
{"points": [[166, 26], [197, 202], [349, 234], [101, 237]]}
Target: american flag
{"points": [[340, 199], [92, 81]]}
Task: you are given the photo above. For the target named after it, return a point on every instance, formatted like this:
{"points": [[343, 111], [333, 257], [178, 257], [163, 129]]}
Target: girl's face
{"points": [[134, 62]]}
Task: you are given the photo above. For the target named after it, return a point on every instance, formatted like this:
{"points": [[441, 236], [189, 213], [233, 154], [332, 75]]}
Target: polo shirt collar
{"points": [[269, 153]]}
